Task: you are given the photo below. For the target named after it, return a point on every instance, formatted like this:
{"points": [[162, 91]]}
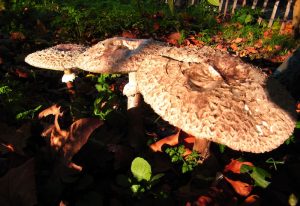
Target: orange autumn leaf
{"points": [[53, 110], [204, 201], [17, 36], [22, 73], [129, 34], [241, 188], [171, 140], [298, 107], [235, 166], [237, 40], [252, 200], [234, 47], [251, 50], [156, 26]]}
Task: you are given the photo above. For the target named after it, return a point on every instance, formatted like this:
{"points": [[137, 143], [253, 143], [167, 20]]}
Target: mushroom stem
{"points": [[131, 91], [202, 146], [68, 78], [135, 123]]}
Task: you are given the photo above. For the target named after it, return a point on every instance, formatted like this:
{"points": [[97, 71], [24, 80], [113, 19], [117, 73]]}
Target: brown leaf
{"points": [[171, 140], [156, 26], [235, 166], [15, 137], [204, 201], [129, 34], [22, 73], [18, 186], [53, 110], [234, 47], [241, 188], [173, 38], [237, 40], [17, 36], [252, 200], [251, 50], [79, 133]]}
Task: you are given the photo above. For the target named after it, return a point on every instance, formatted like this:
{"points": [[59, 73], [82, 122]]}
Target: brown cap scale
{"points": [[220, 99]]}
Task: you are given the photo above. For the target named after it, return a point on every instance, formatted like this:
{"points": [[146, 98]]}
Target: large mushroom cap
{"points": [[220, 99], [108, 55], [59, 57]]}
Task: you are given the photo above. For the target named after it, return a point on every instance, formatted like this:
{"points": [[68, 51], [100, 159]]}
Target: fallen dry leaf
{"points": [[173, 38], [252, 200], [241, 188], [53, 110], [17, 36], [156, 26], [237, 40], [171, 140], [15, 138], [18, 186], [129, 34], [234, 47], [79, 133], [204, 201], [251, 50], [235, 166]]}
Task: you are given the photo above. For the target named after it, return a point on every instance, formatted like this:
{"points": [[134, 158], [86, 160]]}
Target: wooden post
{"points": [[220, 6], [286, 14], [273, 13], [254, 4], [226, 7], [244, 3], [234, 6], [263, 10]]}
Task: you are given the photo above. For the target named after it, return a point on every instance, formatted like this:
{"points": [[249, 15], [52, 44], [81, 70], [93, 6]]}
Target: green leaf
{"points": [[135, 188], [5, 90], [293, 200], [298, 125], [141, 169], [214, 2], [248, 19], [157, 177], [222, 148], [259, 175], [28, 114]]}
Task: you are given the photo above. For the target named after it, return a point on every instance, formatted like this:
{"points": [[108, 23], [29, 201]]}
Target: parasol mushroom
{"points": [[106, 57], [218, 98], [60, 57]]}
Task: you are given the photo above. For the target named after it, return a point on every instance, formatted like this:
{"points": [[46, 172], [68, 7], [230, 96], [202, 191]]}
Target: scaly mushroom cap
{"points": [[108, 55], [220, 98], [59, 57]]}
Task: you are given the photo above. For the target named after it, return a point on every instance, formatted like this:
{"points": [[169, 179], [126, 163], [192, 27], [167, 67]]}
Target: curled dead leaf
{"points": [[171, 140], [241, 188], [53, 110], [78, 135], [235, 166], [252, 200]]}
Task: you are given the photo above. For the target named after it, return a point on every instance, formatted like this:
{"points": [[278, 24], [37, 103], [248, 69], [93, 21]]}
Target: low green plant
{"points": [[177, 156], [258, 174], [141, 180], [103, 102]]}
